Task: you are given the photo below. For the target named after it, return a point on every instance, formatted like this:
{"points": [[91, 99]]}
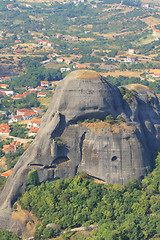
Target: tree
{"points": [[33, 177]]}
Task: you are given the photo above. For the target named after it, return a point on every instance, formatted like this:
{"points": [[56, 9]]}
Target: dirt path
{"points": [[22, 140]]}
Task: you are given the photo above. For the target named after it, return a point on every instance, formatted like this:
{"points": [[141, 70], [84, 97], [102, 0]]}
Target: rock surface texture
{"points": [[66, 143]]}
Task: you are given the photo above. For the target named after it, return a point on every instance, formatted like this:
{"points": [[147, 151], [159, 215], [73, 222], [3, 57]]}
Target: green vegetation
{"points": [[35, 74], [2, 181], [12, 157], [127, 94], [6, 235], [121, 212], [13, 105], [19, 130], [111, 120], [59, 141], [33, 179]]}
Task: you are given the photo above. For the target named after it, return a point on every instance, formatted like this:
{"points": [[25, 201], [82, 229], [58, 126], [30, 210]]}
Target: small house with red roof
{"points": [[9, 6], [38, 110], [6, 78], [26, 113], [8, 149], [34, 123], [156, 33], [41, 94], [7, 173], [4, 86], [44, 83], [39, 88], [5, 128], [33, 131], [59, 35]]}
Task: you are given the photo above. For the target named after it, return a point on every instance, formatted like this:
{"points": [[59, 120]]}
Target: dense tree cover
{"points": [[6, 235], [33, 178], [90, 59], [19, 130], [35, 74], [121, 212]]}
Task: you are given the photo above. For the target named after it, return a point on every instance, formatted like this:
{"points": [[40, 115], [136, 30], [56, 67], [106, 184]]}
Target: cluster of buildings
{"points": [[5, 91], [12, 147], [25, 114]]}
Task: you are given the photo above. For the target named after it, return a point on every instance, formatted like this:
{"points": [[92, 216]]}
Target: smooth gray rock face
{"points": [[114, 153]]}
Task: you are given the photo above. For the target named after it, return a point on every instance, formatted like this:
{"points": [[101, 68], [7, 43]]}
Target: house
{"points": [[12, 147], [131, 59], [94, 6], [22, 111], [28, 5], [131, 51], [26, 113], [33, 131], [46, 37], [5, 128], [39, 88], [9, 6], [4, 85], [155, 73], [19, 96], [60, 60], [16, 118], [75, 38], [145, 5], [38, 110], [59, 35], [41, 94], [7, 173], [8, 92], [8, 149], [65, 70], [68, 61], [54, 83], [17, 41], [34, 123], [44, 83], [29, 114], [14, 47], [5, 78], [156, 33], [80, 66]]}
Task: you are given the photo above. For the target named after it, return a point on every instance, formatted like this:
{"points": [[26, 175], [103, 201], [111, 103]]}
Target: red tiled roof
{"points": [[36, 121], [4, 85], [7, 173], [41, 94], [33, 130], [44, 82], [4, 128], [156, 30]]}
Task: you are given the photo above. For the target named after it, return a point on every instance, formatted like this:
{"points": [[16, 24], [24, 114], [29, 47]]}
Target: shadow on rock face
{"points": [[67, 143]]}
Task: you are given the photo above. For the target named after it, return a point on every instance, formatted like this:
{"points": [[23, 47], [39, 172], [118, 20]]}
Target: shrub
{"points": [[33, 177]]}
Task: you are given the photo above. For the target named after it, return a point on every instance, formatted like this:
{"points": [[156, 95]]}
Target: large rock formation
{"points": [[66, 143]]}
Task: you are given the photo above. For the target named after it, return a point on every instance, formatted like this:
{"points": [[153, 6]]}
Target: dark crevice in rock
{"points": [[81, 143]]}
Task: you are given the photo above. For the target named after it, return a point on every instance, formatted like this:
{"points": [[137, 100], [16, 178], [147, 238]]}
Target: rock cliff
{"points": [[67, 143]]}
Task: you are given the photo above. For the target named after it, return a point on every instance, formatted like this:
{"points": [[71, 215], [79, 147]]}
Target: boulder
{"points": [[74, 136]]}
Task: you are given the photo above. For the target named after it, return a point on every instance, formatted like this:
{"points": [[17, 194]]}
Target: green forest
{"points": [[117, 212]]}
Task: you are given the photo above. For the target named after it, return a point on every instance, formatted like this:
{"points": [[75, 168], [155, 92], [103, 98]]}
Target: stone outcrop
{"points": [[66, 143]]}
